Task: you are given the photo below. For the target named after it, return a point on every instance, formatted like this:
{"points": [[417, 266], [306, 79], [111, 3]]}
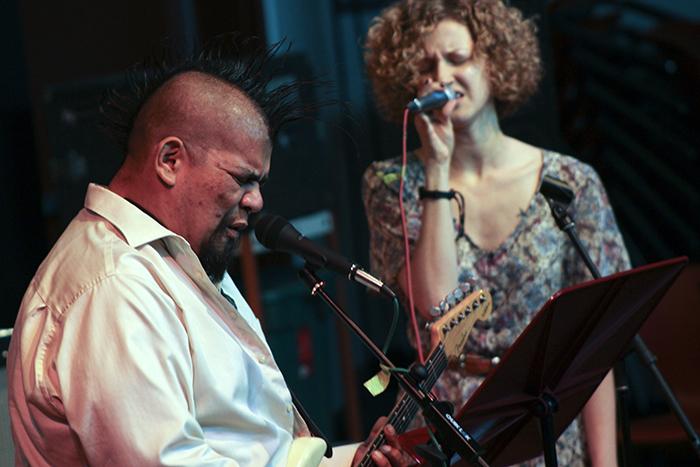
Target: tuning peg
{"points": [[444, 307]]}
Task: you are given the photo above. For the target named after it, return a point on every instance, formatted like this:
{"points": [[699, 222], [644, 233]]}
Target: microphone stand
{"points": [[448, 430], [566, 223]]}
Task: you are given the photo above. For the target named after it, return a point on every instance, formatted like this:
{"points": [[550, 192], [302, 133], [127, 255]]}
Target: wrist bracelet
{"points": [[435, 194], [452, 194]]}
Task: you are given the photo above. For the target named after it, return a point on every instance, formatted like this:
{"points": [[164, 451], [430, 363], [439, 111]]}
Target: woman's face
{"points": [[450, 59]]}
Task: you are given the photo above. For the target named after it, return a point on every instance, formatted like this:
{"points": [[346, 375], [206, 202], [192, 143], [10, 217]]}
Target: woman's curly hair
{"points": [[501, 35]]}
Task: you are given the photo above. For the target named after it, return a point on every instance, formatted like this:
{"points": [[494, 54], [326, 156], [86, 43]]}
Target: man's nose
{"points": [[252, 200]]}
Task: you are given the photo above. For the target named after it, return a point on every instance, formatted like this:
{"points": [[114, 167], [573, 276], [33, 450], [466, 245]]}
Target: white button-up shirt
{"points": [[125, 353]]}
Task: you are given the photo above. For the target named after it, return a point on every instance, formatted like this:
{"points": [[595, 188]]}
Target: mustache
{"points": [[230, 219]]}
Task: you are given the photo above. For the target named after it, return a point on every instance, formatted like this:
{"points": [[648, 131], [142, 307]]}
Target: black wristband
{"points": [[435, 194], [452, 194]]}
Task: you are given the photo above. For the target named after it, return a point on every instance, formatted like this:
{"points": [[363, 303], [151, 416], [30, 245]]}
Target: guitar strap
{"points": [[313, 428]]}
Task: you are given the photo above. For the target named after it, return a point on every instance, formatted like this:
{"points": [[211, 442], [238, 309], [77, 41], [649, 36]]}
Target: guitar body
{"points": [[306, 451]]}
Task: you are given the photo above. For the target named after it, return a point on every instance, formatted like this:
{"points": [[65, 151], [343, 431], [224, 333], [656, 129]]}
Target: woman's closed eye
{"points": [[458, 58], [427, 66]]}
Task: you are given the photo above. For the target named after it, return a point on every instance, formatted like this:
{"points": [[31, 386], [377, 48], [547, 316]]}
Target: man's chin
{"points": [[232, 244], [216, 259]]}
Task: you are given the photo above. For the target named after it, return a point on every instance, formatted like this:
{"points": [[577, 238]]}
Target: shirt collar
{"points": [[137, 227]]}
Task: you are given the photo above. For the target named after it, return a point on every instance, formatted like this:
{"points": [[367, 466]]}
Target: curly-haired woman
{"points": [[504, 237]]}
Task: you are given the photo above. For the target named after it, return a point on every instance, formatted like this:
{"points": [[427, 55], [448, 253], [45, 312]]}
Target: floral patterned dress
{"points": [[535, 261]]}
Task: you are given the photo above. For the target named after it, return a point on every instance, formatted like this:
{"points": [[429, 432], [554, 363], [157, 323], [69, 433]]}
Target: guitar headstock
{"points": [[454, 326]]}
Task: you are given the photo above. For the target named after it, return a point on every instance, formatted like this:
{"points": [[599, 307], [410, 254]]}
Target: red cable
{"points": [[406, 249]]}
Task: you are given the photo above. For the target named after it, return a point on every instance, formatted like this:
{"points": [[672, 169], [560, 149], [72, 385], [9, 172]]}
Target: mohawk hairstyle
{"points": [[221, 58]]}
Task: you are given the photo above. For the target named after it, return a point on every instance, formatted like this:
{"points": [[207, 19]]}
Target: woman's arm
{"points": [[599, 423], [434, 259]]}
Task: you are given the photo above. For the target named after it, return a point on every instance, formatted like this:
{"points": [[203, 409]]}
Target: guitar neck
{"points": [[406, 408]]}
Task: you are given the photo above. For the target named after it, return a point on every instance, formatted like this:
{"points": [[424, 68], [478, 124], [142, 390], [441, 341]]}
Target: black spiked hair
{"points": [[221, 58]]}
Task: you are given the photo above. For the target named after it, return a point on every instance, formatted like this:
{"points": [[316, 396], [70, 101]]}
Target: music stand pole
{"points": [[448, 429], [544, 409], [566, 223]]}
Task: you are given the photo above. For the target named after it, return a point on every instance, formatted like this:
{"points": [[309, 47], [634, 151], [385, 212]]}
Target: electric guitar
{"points": [[448, 334]]}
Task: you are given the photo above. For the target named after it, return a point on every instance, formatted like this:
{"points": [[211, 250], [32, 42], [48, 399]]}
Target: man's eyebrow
{"points": [[247, 176]]}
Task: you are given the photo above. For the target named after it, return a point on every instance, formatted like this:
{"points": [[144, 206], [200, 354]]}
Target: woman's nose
{"points": [[443, 73]]}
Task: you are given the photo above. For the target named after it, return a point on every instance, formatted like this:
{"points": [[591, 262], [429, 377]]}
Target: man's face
{"points": [[223, 188]]}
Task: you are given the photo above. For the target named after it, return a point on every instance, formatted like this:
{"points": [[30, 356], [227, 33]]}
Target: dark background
{"points": [[618, 92]]}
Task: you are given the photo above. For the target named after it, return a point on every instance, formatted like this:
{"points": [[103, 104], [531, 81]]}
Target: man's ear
{"points": [[169, 159]]}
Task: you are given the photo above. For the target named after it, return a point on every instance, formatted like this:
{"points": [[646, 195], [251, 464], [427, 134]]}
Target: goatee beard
{"points": [[216, 261]]}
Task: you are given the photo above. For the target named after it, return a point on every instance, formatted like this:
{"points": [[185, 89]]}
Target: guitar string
{"points": [[408, 407]]}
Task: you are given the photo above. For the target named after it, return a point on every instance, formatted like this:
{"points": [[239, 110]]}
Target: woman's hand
{"points": [[436, 132]]}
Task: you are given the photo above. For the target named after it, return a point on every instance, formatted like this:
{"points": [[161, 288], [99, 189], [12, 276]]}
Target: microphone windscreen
{"points": [[268, 228], [557, 190]]}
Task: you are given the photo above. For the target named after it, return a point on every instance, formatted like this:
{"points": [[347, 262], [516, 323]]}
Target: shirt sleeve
{"points": [[126, 376], [597, 229]]}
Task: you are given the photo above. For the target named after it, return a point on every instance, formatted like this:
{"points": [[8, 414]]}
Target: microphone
{"points": [[434, 100], [556, 190], [276, 233], [559, 196]]}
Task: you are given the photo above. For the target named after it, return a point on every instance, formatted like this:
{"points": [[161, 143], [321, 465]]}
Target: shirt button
{"points": [[289, 410], [262, 359]]}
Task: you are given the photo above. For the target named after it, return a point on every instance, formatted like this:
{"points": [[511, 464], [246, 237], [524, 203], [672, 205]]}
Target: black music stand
{"points": [[554, 366], [551, 370]]}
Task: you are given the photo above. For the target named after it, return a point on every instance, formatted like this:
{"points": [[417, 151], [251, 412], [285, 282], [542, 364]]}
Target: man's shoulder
{"points": [[90, 250]]}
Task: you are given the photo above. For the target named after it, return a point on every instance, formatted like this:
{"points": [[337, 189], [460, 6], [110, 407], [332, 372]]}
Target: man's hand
{"points": [[390, 454]]}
